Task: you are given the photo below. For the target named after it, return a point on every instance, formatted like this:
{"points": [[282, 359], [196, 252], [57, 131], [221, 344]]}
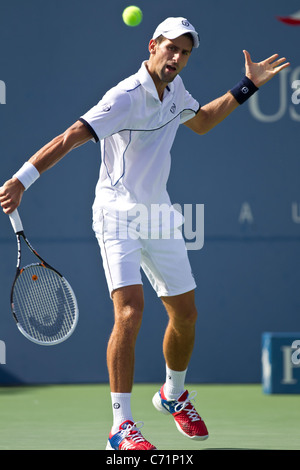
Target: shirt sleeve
{"points": [[191, 108], [109, 116]]}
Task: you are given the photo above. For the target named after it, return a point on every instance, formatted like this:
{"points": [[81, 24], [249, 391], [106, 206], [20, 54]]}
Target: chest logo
{"points": [[173, 108]]}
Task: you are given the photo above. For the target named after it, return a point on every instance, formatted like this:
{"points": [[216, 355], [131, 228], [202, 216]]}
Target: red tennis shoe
{"points": [[129, 437], [187, 420]]}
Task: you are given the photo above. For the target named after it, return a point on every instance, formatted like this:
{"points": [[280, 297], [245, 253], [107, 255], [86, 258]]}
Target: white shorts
{"points": [[164, 260]]}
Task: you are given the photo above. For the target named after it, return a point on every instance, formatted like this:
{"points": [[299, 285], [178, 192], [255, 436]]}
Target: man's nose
{"points": [[176, 57]]}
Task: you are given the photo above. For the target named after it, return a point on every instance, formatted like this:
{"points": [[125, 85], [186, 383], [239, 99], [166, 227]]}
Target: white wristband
{"points": [[27, 174]]}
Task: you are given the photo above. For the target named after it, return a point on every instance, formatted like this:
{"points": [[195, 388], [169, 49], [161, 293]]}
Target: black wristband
{"points": [[243, 90]]}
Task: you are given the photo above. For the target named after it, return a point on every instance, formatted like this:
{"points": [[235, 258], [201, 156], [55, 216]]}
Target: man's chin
{"points": [[168, 77]]}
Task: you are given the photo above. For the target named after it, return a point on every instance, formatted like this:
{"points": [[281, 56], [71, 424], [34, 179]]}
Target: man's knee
{"points": [[128, 306], [191, 316], [186, 318], [181, 309]]}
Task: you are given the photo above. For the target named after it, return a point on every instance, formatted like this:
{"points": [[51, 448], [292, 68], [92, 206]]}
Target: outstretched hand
{"points": [[261, 72]]}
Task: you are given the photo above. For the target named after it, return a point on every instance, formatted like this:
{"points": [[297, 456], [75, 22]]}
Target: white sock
{"points": [[174, 386], [121, 409]]}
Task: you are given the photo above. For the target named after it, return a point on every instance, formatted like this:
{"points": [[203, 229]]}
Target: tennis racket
{"points": [[43, 303]]}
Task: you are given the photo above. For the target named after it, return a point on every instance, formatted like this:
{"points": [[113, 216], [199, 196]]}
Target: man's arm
{"points": [[212, 114], [216, 111], [12, 191]]}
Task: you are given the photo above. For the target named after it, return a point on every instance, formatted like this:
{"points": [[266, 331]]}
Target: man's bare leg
{"points": [[180, 333], [128, 309]]}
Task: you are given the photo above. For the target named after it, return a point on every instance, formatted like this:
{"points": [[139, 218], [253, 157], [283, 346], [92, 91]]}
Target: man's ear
{"points": [[152, 46]]}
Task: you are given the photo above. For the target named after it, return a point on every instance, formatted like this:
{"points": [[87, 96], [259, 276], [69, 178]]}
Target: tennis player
{"points": [[136, 122]]}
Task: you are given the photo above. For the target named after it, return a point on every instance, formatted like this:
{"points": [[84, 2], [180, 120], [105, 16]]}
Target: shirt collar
{"points": [[148, 83]]}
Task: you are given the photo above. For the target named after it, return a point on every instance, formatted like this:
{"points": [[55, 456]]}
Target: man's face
{"points": [[169, 57]]}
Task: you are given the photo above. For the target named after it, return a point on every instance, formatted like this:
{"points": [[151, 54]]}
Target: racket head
{"points": [[43, 305]]}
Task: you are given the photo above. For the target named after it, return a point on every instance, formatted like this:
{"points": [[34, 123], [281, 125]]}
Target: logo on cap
{"points": [[185, 23]]}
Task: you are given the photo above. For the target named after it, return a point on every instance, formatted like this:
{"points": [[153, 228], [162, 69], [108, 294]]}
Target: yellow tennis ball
{"points": [[132, 16]]}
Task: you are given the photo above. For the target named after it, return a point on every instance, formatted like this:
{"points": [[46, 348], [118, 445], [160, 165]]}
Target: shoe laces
{"points": [[191, 412], [133, 431]]}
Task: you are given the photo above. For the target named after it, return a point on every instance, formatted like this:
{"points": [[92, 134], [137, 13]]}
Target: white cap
{"points": [[172, 28]]}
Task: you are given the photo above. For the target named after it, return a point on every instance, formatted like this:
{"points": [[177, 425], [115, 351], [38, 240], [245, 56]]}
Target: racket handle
{"points": [[16, 221]]}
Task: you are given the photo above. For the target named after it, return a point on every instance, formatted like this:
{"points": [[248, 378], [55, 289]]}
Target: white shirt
{"points": [[137, 131]]}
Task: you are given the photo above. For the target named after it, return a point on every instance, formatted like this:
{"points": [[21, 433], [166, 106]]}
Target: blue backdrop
{"points": [[57, 60]]}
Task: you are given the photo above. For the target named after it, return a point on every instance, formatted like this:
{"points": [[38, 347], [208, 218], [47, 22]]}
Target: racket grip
{"points": [[16, 221]]}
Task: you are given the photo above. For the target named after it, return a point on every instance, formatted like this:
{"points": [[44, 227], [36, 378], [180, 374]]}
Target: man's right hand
{"points": [[11, 195]]}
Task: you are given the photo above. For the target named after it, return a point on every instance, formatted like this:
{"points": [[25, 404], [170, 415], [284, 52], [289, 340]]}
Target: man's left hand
{"points": [[261, 72]]}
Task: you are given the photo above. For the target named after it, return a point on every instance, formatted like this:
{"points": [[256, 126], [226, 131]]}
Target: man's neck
{"points": [[159, 85]]}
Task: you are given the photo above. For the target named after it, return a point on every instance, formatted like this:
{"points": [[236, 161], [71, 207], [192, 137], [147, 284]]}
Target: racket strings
{"points": [[44, 304]]}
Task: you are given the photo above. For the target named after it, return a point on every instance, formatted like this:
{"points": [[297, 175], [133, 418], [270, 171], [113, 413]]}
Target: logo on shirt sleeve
{"points": [[105, 108]]}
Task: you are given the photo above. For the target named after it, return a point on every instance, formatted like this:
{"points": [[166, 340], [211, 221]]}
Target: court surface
{"points": [[78, 417]]}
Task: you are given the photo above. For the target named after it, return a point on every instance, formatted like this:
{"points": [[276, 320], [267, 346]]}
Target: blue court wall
{"points": [[57, 60]]}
